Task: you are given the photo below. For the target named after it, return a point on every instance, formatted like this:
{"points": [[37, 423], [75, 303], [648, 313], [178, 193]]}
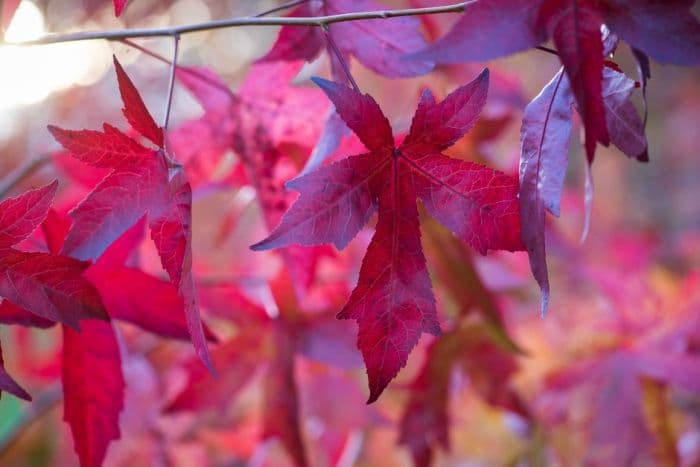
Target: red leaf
{"points": [[436, 127], [575, 28], [361, 114], [93, 389], [20, 216], [134, 109], [172, 235], [10, 385], [138, 298], [128, 294], [47, 285], [12, 314], [337, 202], [119, 6], [393, 302], [138, 185]]}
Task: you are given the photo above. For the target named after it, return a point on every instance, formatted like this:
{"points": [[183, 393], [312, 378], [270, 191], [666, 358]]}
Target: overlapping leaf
{"points": [[545, 137], [393, 301], [48, 285], [666, 31], [139, 184], [378, 45]]}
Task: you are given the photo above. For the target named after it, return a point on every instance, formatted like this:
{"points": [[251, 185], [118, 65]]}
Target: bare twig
{"points": [[15, 177], [172, 31]]}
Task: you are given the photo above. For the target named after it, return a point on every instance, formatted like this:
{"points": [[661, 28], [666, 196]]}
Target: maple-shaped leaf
{"points": [[139, 184], [378, 45], [666, 31], [93, 389], [10, 385], [50, 286], [393, 301], [545, 134]]}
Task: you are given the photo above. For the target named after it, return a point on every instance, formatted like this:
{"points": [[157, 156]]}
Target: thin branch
{"points": [[171, 83], [27, 168], [318, 21]]}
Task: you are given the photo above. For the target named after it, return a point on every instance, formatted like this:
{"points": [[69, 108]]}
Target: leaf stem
{"points": [[172, 31], [171, 83], [339, 55]]}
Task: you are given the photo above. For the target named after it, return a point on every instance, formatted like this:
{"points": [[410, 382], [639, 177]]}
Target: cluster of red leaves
{"points": [[273, 128]]}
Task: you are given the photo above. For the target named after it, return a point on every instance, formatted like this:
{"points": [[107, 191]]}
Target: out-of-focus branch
{"points": [[15, 177], [41, 405]]}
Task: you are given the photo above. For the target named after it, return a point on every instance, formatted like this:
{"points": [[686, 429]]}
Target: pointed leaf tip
{"points": [[135, 111]]}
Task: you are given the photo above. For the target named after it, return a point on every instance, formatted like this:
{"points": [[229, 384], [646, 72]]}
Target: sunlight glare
{"points": [[31, 74]]}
